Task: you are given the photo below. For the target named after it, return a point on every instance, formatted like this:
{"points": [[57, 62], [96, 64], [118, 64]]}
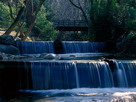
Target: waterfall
{"points": [[36, 47], [67, 75], [43, 75], [40, 75], [76, 75], [124, 74], [83, 46]]}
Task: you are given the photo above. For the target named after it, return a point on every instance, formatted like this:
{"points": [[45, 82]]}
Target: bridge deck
{"points": [[70, 25]]}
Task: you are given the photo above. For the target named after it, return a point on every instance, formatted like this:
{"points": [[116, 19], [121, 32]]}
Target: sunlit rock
{"points": [[49, 56]]}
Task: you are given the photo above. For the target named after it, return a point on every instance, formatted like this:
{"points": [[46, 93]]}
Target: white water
{"points": [[63, 75], [36, 47], [83, 46], [76, 75], [68, 74], [86, 95]]}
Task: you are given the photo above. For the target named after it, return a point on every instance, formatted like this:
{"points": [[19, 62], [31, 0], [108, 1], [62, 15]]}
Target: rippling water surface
{"points": [[76, 95]]}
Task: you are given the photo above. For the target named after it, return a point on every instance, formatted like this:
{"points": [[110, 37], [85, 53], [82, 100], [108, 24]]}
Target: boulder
{"points": [[49, 56], [7, 45], [4, 56], [9, 49], [7, 40], [58, 46]]}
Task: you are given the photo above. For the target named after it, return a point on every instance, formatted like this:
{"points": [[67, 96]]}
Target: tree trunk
{"points": [[16, 21], [29, 14], [33, 21], [19, 30]]}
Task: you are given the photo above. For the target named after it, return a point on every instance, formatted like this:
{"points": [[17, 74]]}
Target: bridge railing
{"points": [[70, 23]]}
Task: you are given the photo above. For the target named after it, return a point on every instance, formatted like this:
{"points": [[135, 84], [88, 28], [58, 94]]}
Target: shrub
{"points": [[110, 19], [46, 27]]}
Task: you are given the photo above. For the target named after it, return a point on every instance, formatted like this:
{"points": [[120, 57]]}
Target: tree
{"points": [[34, 18], [79, 6], [111, 19], [22, 12], [47, 31], [4, 17]]}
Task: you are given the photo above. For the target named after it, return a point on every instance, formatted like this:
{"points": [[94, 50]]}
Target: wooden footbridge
{"points": [[70, 25]]}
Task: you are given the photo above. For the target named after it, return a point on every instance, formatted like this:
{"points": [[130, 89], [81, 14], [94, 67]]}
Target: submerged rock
{"points": [[19, 57], [73, 56], [49, 56], [4, 56]]}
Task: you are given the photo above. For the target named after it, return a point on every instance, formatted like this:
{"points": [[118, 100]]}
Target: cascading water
{"points": [[83, 47], [78, 74], [92, 80], [120, 75], [125, 74], [63, 74], [35, 47], [69, 47], [67, 75]]}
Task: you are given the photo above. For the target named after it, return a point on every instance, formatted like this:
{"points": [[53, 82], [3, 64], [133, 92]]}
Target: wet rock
{"points": [[7, 40], [58, 46], [111, 63], [32, 55], [18, 57], [9, 49], [49, 56], [73, 56], [4, 56], [7, 45]]}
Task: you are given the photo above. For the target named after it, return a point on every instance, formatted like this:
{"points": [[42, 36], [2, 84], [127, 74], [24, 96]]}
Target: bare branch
{"points": [[74, 4], [81, 8], [34, 18], [16, 21]]}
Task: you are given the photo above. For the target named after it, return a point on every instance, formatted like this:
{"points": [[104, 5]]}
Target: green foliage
{"points": [[46, 30], [46, 27], [127, 44], [110, 19], [5, 18]]}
